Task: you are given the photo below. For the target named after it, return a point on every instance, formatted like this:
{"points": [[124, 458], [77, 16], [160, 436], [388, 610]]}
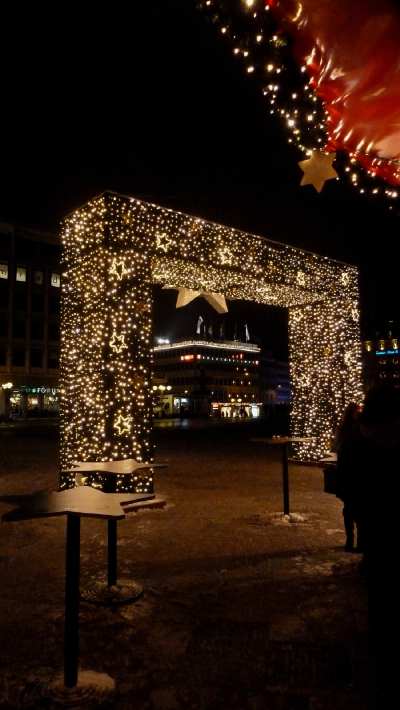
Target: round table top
{"points": [[121, 467], [81, 500]]}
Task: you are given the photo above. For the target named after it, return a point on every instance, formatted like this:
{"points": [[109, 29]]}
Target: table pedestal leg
{"points": [[111, 592], [71, 632], [112, 553], [285, 479]]}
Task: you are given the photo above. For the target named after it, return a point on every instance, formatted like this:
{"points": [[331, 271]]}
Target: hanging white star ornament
{"points": [[186, 295], [318, 169]]}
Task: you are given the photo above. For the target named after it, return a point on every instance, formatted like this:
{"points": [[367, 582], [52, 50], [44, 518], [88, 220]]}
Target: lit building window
{"points": [[55, 280], [21, 273], [38, 278], [368, 346], [3, 271], [381, 345], [395, 343]]}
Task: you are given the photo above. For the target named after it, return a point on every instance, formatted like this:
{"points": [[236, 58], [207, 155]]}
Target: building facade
{"points": [[274, 381], [207, 378], [382, 358], [29, 322]]}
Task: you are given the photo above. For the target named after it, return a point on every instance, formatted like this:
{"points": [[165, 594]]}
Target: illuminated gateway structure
{"points": [[115, 248]]}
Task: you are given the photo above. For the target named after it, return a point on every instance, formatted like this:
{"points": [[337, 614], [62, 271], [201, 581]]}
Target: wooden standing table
{"points": [[111, 592], [75, 503]]}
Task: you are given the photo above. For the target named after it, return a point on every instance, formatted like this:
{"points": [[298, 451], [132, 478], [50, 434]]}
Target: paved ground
{"points": [[242, 611]]}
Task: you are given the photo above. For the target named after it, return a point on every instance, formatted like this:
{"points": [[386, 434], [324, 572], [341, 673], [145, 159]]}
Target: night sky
{"points": [[149, 101]]}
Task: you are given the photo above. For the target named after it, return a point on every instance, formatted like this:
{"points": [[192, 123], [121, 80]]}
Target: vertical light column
{"points": [[325, 371], [105, 348]]}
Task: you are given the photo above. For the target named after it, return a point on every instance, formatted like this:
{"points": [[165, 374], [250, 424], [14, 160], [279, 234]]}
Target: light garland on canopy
{"points": [[304, 83], [113, 253]]}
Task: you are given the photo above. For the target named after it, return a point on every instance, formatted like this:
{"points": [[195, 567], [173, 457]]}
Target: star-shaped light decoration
{"points": [[117, 343], [123, 424], [355, 313], [164, 242], [318, 169], [186, 295], [118, 268]]}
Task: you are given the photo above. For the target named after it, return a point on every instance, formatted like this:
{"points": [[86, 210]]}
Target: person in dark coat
{"points": [[379, 502], [347, 445]]}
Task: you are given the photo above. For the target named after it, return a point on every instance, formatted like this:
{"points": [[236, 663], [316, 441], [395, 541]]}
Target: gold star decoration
{"points": [[123, 425], [118, 268], [318, 169], [164, 242], [354, 313], [117, 343], [226, 256], [186, 295]]}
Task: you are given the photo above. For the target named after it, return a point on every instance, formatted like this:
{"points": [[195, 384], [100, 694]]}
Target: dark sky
{"points": [[149, 101]]}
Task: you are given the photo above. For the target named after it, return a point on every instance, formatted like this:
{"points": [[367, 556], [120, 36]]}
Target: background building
{"points": [[274, 381], [29, 322], [382, 356], [205, 377]]}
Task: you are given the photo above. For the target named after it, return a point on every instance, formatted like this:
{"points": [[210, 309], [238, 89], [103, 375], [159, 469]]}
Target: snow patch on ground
{"points": [[292, 518]]}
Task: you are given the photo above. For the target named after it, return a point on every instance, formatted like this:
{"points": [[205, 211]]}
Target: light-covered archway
{"points": [[114, 248]]}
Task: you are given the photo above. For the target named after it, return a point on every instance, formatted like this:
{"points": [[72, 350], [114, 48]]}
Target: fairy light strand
{"points": [[265, 52], [114, 249]]}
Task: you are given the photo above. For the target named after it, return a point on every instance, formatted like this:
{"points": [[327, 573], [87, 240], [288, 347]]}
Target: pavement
{"points": [[243, 609]]}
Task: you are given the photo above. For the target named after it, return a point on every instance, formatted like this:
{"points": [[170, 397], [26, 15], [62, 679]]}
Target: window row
{"points": [[207, 380], [38, 332], [37, 276], [35, 358]]}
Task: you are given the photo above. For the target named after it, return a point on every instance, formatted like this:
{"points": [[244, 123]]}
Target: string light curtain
{"points": [[114, 249]]}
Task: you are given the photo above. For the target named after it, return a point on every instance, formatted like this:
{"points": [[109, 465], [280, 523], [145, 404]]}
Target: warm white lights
{"points": [[115, 248]]}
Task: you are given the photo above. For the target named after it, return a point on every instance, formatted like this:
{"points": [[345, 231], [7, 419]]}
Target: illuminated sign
{"points": [[223, 345], [387, 352]]}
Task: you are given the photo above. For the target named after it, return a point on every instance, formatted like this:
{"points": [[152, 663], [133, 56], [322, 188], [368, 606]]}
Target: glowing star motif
{"points": [[186, 295], [318, 169], [117, 343], [303, 381], [345, 278], [118, 268], [123, 425], [225, 256], [164, 242], [354, 313]]}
